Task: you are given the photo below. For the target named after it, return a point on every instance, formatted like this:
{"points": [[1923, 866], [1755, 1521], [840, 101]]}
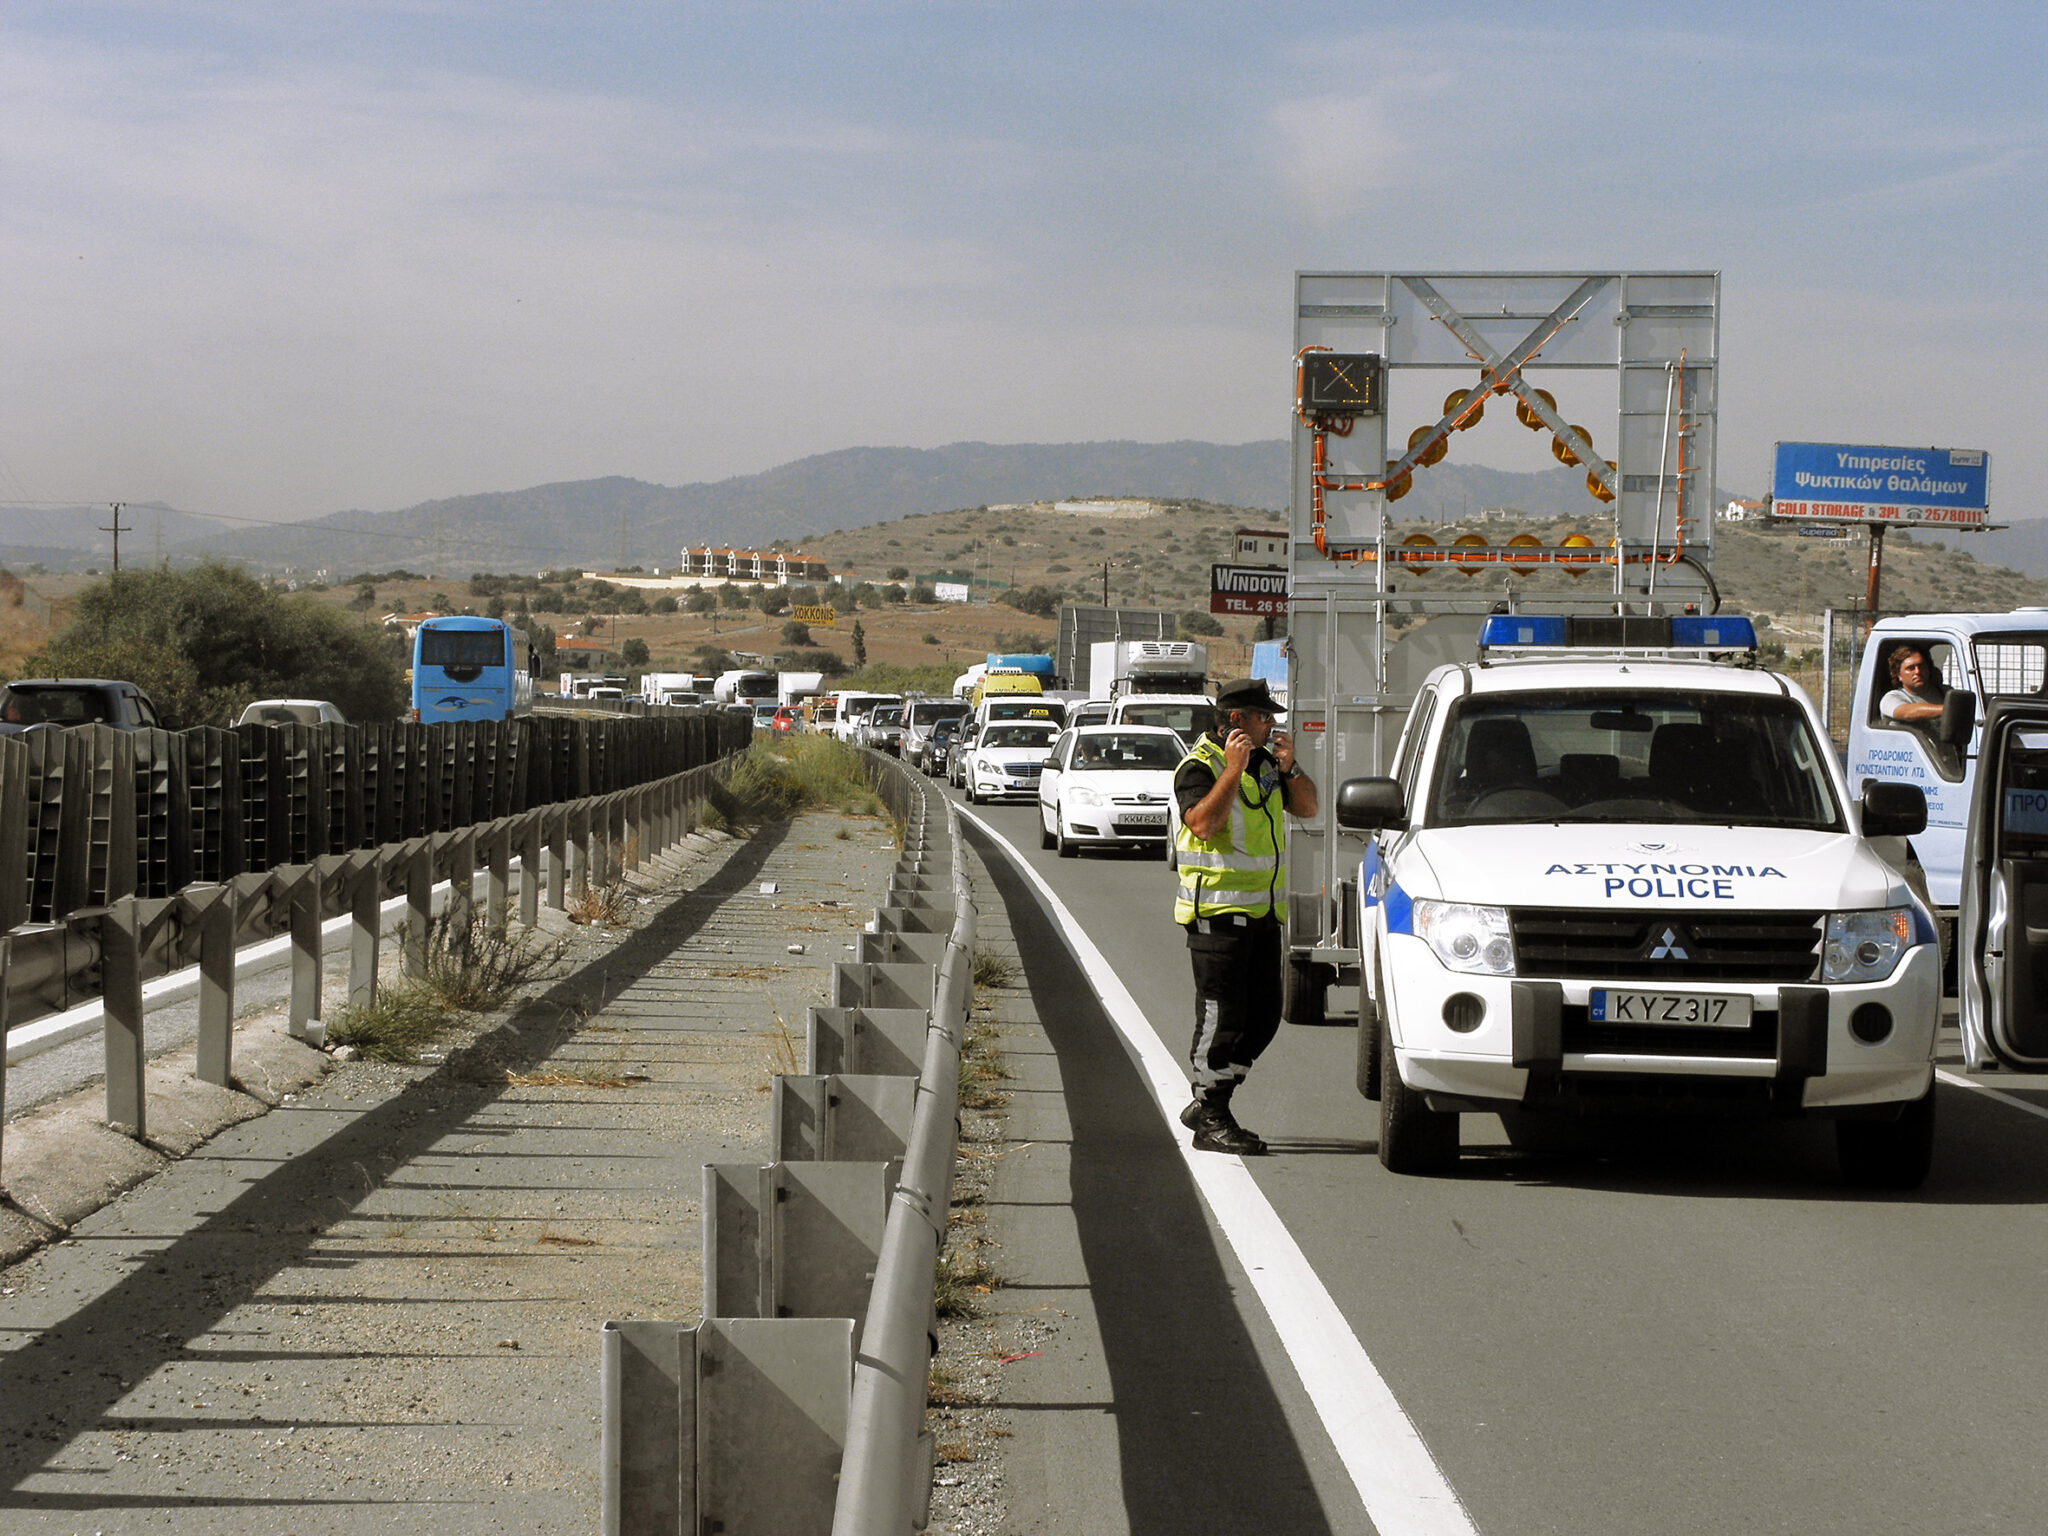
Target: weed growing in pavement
{"points": [[468, 970], [959, 1280], [776, 780], [605, 906], [992, 970], [981, 1067], [784, 1058], [407, 1017], [476, 971]]}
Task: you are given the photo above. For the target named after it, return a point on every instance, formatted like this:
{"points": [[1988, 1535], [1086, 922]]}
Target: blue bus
{"points": [[470, 669]]}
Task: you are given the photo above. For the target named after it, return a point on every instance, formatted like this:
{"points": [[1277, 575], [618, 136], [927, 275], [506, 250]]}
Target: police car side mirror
{"points": [[1893, 810], [1366, 805], [1958, 717]]}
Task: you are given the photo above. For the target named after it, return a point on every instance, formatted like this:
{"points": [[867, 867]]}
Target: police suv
{"points": [[1618, 871]]}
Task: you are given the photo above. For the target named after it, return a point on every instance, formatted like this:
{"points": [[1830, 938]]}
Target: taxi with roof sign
{"points": [[1618, 871]]}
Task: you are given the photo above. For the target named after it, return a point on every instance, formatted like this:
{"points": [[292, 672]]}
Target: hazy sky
{"points": [[280, 260]]}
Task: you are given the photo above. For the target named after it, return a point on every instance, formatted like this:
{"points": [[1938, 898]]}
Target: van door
{"points": [[2002, 925]]}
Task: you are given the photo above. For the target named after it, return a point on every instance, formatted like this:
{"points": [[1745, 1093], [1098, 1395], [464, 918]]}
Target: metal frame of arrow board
{"points": [[1494, 338]]}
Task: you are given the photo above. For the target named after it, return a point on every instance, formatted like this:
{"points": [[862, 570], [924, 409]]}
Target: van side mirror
{"points": [[1892, 809], [1958, 717], [1366, 805]]}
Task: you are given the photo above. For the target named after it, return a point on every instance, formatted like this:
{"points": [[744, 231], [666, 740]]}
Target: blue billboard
{"points": [[1845, 482]]}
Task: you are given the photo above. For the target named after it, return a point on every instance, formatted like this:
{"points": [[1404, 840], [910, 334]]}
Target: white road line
{"points": [[1974, 1086], [1403, 1488]]}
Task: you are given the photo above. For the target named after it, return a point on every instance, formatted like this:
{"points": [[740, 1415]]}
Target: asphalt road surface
{"points": [[1700, 1331]]}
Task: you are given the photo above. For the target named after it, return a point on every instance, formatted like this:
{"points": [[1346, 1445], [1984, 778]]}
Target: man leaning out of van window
{"points": [[1918, 693]]}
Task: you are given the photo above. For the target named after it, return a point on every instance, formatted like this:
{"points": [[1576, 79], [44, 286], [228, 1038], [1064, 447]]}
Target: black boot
{"points": [[1216, 1129]]}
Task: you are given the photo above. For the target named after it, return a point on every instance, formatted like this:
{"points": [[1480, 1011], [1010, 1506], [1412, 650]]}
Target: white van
{"points": [[1982, 657]]}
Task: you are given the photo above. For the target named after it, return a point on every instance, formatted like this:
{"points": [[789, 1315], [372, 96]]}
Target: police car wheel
{"points": [[1413, 1137], [1888, 1154]]}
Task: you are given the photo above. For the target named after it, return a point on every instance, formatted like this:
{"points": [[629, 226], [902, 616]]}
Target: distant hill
{"points": [[618, 521], [592, 522], [2023, 546]]}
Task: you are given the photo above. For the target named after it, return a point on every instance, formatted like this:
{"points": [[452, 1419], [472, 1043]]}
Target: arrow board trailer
{"points": [[1390, 369]]}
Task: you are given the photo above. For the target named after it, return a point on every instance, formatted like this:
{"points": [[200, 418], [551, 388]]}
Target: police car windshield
{"points": [[1711, 758]]}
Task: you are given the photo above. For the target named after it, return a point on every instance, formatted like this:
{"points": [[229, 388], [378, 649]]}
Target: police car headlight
{"points": [[1085, 796], [1865, 946], [1467, 938]]}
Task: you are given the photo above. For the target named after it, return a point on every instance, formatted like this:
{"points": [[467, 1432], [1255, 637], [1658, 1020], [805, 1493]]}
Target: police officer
{"points": [[1232, 899]]}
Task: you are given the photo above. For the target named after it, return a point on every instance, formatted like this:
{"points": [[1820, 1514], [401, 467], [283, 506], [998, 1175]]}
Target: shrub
{"points": [[202, 642]]}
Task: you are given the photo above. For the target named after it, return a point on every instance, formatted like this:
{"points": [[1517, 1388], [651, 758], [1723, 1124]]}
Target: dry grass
{"points": [[981, 1067], [992, 971]]}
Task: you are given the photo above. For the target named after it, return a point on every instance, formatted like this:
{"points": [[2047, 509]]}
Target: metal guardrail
{"points": [[112, 817], [781, 1410]]}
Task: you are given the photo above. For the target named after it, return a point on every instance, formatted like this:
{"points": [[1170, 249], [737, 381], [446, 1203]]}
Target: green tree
{"points": [[634, 652], [860, 645], [1044, 602], [203, 642]]}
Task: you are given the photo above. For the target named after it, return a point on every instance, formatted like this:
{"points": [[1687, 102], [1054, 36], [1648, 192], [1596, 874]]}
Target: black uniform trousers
{"points": [[1237, 998]]}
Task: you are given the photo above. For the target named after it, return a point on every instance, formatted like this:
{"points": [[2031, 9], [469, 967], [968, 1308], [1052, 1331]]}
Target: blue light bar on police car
{"points": [[1718, 632], [1510, 629]]}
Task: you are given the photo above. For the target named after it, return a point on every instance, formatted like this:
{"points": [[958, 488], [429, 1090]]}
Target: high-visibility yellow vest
{"points": [[1243, 869]]}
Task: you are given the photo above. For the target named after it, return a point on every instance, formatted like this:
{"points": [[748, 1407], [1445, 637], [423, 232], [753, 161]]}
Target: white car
{"points": [[291, 712], [1110, 785], [1006, 759]]}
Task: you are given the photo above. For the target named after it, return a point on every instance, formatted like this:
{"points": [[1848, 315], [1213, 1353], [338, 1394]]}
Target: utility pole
{"points": [[116, 532]]}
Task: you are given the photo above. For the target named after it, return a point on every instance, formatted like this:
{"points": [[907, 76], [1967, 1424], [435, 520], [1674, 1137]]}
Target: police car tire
{"points": [[1413, 1137], [1888, 1154]]}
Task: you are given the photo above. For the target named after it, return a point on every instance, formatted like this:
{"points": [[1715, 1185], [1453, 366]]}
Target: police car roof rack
{"points": [[1722, 637]]}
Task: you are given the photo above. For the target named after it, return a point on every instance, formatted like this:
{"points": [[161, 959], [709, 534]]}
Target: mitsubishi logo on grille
{"points": [[1670, 947]]}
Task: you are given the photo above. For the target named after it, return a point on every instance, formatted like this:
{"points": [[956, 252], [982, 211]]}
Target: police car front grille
{"points": [[1622, 946]]}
